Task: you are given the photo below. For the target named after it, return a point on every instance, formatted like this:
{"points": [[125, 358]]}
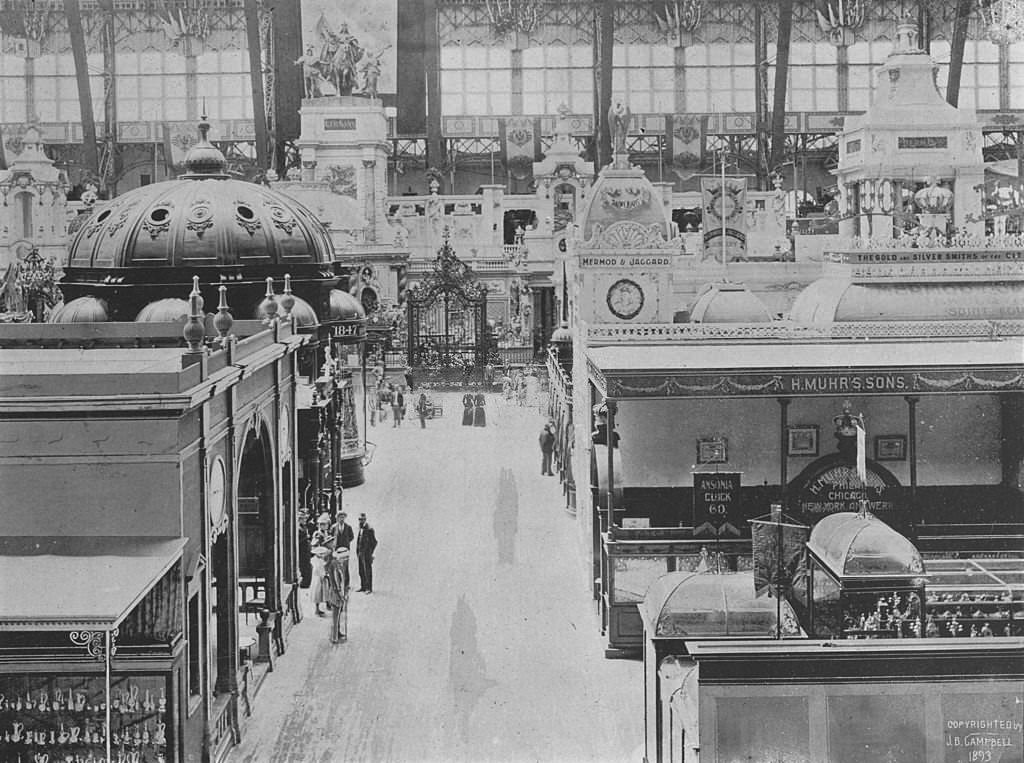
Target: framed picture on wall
{"points": [[802, 440], [712, 450], [891, 447]]}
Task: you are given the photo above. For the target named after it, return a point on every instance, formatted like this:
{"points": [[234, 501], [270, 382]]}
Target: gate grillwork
{"points": [[447, 318]]}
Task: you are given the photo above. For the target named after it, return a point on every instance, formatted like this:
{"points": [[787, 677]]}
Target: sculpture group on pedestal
{"points": [[340, 59]]}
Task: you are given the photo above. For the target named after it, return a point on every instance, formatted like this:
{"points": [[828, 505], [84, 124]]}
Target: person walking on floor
{"points": [[467, 409], [322, 545], [423, 409], [479, 414], [366, 543], [547, 448], [336, 592], [397, 406]]}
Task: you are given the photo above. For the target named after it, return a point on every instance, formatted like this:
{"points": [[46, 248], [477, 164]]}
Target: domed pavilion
{"points": [[147, 244]]}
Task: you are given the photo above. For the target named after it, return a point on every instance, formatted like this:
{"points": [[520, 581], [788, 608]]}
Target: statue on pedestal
{"points": [[310, 73], [370, 67], [338, 56], [618, 126]]}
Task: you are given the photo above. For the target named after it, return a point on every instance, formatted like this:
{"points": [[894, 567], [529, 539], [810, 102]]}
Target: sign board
{"points": [[635, 522], [838, 487], [339, 124], [716, 504]]}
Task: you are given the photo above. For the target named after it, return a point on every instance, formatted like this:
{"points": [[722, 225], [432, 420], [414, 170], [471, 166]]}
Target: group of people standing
{"points": [[330, 547], [474, 412]]}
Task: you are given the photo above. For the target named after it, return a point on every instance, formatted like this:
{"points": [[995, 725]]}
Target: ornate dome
{"points": [[81, 310], [728, 303], [169, 310], [303, 312], [202, 220], [345, 307], [702, 604], [562, 334], [861, 544]]}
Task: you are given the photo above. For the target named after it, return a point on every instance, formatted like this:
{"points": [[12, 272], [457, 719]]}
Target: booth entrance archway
{"points": [[257, 539]]}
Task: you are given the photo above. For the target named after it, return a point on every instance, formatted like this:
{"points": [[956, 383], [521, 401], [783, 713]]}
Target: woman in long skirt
{"points": [[467, 410], [322, 545], [336, 593], [479, 414]]}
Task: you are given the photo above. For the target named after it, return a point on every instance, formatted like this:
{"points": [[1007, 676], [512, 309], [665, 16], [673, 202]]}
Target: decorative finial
{"points": [[204, 158], [195, 330], [269, 304], [287, 299], [223, 320]]}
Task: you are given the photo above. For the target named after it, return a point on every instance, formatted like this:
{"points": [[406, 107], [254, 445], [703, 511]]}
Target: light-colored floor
{"points": [[480, 641]]}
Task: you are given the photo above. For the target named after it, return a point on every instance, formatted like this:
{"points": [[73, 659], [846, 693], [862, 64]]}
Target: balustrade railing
{"points": [[787, 331]]}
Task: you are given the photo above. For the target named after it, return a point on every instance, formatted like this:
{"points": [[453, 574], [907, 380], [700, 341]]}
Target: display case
{"points": [[866, 580], [974, 597], [63, 718], [635, 558]]}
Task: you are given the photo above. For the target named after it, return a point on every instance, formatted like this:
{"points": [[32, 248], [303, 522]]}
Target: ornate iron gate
{"points": [[447, 318]]}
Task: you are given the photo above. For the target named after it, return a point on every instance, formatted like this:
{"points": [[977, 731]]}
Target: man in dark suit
{"points": [[366, 543], [343, 537]]}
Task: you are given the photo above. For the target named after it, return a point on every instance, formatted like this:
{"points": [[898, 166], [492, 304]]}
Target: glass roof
{"points": [[860, 544], [703, 604]]}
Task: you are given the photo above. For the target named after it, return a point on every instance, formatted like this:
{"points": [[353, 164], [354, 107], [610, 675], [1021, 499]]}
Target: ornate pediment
{"points": [[626, 234]]}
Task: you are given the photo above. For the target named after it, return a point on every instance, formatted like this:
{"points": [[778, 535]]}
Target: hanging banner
{"points": [[724, 206], [520, 145], [778, 548], [716, 504], [685, 143]]}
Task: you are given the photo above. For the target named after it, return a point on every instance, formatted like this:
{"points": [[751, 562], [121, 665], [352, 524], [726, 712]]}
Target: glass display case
{"points": [[866, 580], [974, 597], [636, 558], [63, 718]]}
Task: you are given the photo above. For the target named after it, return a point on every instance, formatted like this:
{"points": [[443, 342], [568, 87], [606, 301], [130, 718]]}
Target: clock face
{"points": [[215, 493], [625, 299]]}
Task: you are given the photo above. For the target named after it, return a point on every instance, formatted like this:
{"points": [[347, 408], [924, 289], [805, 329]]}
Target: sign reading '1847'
{"points": [[715, 503]]}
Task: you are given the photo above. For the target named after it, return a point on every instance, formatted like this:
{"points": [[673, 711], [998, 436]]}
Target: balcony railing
{"points": [[786, 331]]}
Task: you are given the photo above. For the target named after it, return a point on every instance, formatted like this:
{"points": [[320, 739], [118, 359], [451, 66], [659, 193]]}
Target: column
{"points": [[370, 199], [784, 448], [612, 408], [912, 401]]}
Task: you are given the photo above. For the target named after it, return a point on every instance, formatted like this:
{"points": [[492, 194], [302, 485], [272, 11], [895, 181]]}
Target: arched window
{"points": [[23, 202]]}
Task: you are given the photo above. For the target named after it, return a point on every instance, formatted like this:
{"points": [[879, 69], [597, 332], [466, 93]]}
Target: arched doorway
{"points": [[257, 539]]}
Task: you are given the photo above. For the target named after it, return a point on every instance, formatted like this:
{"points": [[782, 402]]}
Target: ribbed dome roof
{"points": [[302, 311], [562, 334], [838, 299], [861, 544], [81, 310], [728, 303], [204, 219], [703, 604], [345, 307], [169, 310]]}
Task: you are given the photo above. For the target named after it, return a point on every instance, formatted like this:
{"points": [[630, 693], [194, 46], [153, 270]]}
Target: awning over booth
{"points": [[741, 369], [66, 583]]}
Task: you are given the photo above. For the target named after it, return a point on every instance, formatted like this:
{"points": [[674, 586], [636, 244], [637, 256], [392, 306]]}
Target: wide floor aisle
{"points": [[480, 641]]}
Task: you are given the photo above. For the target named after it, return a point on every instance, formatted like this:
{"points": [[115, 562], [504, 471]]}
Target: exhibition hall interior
{"points": [[511, 380]]}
